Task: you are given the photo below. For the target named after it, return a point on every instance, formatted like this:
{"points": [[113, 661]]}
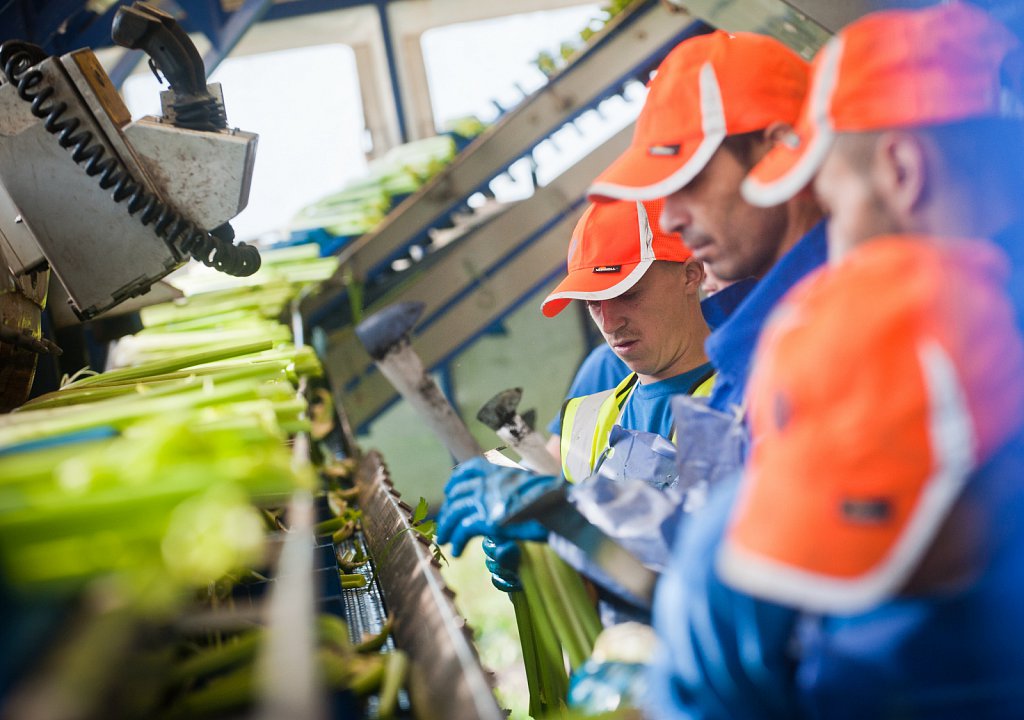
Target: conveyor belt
{"points": [[446, 680]]}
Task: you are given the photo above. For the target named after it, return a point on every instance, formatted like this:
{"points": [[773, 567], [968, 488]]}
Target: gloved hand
{"points": [[503, 562], [597, 688], [615, 675], [479, 495]]}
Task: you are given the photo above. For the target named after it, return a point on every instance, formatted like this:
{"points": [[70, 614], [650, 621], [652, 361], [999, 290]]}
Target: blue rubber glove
{"points": [[601, 687], [503, 562], [479, 495]]}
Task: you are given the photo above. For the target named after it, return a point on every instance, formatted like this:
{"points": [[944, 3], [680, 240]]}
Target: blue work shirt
{"points": [[648, 407], [724, 654], [717, 308], [945, 656], [1011, 240], [958, 654], [731, 346]]}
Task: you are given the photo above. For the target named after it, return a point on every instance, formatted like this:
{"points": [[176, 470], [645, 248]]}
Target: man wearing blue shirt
{"points": [[642, 290], [716, 106]]}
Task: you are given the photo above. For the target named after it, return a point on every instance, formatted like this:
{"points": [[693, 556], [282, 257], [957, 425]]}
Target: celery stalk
{"points": [[156, 367]]}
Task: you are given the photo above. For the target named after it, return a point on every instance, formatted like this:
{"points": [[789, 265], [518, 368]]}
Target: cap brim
{"points": [[639, 175], [785, 170], [585, 284], [843, 496]]}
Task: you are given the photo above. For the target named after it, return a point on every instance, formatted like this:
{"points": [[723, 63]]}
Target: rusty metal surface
{"points": [[20, 338], [446, 680], [804, 29]]}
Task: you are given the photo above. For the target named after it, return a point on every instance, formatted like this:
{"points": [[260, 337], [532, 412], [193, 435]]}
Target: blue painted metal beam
{"points": [[396, 86], [251, 12], [16, 20], [125, 66], [205, 16], [44, 24]]}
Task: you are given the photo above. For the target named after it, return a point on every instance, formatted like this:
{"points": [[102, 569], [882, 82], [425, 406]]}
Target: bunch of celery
{"points": [[360, 206], [243, 373], [557, 619], [222, 678], [199, 438], [115, 666], [168, 505], [293, 267], [216, 312]]}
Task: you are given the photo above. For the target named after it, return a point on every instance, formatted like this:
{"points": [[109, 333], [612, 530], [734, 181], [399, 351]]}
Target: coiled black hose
{"points": [[18, 60]]}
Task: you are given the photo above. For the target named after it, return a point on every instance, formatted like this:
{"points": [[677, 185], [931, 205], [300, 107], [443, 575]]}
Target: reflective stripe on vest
{"points": [[587, 422]]}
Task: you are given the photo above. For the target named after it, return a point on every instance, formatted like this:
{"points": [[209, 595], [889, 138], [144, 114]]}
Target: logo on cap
{"points": [[873, 510], [663, 150], [608, 269]]}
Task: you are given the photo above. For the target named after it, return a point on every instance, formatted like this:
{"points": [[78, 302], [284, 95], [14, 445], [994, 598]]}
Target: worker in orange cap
{"points": [[877, 536], [642, 289], [715, 107]]}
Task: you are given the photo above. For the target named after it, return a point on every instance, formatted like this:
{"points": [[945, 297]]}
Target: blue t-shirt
{"points": [[601, 370], [648, 407]]}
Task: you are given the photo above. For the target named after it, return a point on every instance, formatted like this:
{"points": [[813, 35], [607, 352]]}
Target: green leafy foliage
{"points": [[550, 63], [425, 528]]}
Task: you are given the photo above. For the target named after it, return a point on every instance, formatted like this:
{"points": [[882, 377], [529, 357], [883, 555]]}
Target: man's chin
{"points": [[634, 365]]}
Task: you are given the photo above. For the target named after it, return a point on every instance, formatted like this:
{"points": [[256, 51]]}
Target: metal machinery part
{"points": [[108, 205], [77, 227], [50, 132], [21, 304], [446, 680], [804, 25]]}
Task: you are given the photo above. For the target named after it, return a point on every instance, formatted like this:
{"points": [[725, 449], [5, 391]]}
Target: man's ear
{"points": [[774, 133], [693, 271], [900, 172], [777, 132]]}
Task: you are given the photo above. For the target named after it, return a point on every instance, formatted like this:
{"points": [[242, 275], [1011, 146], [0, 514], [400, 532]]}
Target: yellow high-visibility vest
{"points": [[587, 422]]}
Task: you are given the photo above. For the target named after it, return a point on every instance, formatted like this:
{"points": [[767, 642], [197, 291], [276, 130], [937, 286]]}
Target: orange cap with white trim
{"points": [[869, 417], [891, 69], [708, 87], [612, 247]]}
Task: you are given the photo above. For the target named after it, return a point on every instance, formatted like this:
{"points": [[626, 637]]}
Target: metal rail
{"points": [[472, 282], [446, 680], [804, 25], [627, 49]]}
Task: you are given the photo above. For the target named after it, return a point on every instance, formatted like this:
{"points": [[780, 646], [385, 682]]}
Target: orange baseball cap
{"points": [[890, 69], [869, 418], [612, 246], [708, 87]]}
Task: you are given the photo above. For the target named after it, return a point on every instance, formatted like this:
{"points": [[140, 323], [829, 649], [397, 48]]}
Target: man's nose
{"points": [[608, 317], [675, 215]]}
